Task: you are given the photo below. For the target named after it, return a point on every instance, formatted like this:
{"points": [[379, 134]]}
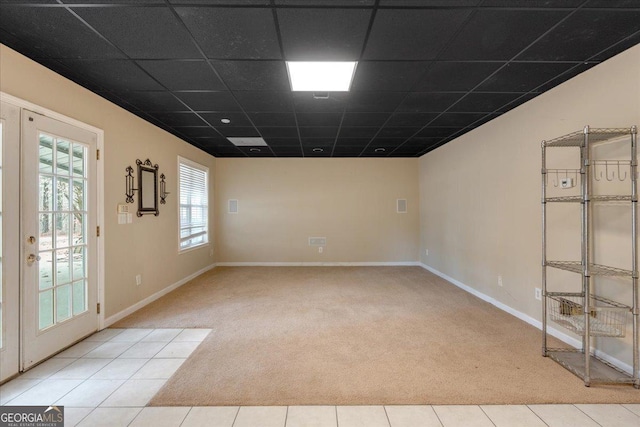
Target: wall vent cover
{"points": [[233, 206], [317, 241], [401, 205]]}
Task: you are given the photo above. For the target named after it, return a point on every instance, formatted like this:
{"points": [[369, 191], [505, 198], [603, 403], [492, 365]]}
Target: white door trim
{"points": [[9, 352], [100, 262]]}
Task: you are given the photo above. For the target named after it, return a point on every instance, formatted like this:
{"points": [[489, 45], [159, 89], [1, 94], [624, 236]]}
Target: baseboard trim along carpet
{"points": [[151, 298], [321, 264], [530, 320]]}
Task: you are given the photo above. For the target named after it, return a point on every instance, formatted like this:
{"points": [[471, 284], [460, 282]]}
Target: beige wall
{"points": [[480, 194], [283, 202], [149, 246]]}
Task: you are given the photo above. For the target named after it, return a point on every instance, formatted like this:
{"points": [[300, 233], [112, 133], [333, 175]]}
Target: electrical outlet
{"points": [[138, 279], [426, 252], [320, 249], [211, 252], [538, 294], [500, 281]]}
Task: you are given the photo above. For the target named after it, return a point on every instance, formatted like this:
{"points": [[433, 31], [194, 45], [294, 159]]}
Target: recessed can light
{"points": [[318, 150], [379, 150], [225, 121]]}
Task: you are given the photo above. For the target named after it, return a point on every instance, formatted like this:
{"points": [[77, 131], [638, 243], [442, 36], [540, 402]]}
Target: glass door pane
{"points": [[62, 227]]}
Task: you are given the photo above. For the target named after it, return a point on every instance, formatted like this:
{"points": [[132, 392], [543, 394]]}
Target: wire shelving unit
{"points": [[584, 312]]}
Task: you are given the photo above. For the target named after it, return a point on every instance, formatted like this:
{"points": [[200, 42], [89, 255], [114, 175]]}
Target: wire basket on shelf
{"points": [[607, 318]]}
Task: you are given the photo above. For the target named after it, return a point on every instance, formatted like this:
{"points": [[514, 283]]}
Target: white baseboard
{"points": [[316, 264], [137, 306], [572, 341]]}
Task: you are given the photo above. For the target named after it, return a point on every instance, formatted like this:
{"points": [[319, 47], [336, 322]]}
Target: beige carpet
{"points": [[355, 335]]}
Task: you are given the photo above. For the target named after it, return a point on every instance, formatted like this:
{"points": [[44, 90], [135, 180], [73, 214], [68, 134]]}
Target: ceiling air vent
{"points": [[253, 141]]}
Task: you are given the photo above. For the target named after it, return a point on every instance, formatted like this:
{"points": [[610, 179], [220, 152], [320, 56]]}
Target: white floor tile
{"points": [[47, 368], [192, 335], [633, 407], [311, 416], [263, 416], [181, 349], [73, 416], [512, 416], [412, 416], [131, 335], [162, 335], [610, 415], [134, 393], [143, 350], [104, 335], [562, 416], [362, 416], [459, 415], [161, 417], [211, 416], [158, 369], [90, 393], [79, 350], [16, 387], [109, 350], [45, 392], [110, 417], [81, 369], [119, 369]]}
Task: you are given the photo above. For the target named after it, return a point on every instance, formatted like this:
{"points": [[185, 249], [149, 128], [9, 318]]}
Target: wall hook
{"points": [[620, 177], [606, 165]]}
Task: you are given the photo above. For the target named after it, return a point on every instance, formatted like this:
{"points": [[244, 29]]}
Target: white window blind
{"points": [[194, 206]]}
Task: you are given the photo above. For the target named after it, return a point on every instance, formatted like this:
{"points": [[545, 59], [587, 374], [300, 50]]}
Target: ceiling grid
{"points": [[428, 71]]}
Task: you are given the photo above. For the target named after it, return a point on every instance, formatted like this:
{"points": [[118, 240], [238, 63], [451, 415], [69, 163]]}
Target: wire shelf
{"points": [[607, 318], [564, 199], [576, 139], [578, 199], [594, 269], [601, 371]]}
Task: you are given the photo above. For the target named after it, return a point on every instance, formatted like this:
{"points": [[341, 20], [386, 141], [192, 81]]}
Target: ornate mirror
{"points": [[147, 188]]}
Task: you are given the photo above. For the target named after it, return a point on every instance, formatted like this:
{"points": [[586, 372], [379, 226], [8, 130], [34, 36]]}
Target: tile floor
{"points": [[108, 379]]}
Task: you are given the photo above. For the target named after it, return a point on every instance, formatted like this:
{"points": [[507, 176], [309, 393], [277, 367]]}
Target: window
{"points": [[194, 206]]}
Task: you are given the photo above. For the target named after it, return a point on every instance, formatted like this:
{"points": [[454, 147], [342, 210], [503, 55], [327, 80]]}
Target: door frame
{"points": [[10, 351], [100, 255]]}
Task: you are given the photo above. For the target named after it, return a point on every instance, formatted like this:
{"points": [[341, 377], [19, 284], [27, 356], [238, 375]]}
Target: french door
{"points": [[58, 236], [9, 239]]}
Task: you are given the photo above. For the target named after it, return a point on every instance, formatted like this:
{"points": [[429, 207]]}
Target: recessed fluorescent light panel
{"points": [[248, 141], [321, 76]]}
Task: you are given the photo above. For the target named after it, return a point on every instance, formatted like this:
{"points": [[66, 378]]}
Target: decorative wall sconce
{"points": [[147, 187], [163, 190], [129, 184]]}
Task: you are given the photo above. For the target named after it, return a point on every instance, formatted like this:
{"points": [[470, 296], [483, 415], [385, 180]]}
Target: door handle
{"points": [[32, 258], [31, 239]]}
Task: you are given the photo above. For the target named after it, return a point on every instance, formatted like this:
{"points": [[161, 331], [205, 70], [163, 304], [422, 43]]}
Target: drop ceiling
{"points": [[428, 70]]}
